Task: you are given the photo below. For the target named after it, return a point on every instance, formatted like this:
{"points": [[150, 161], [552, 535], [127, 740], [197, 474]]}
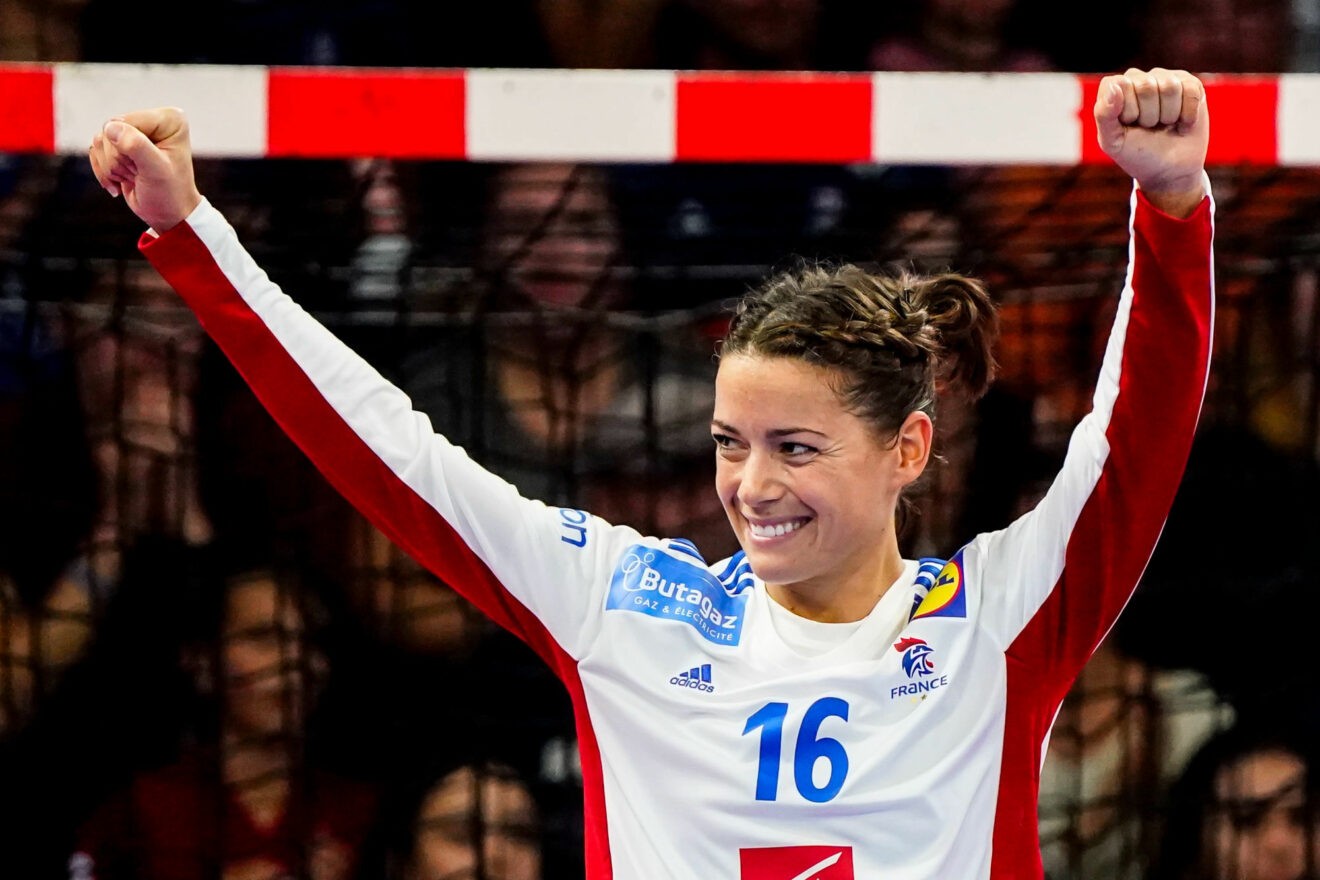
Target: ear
{"points": [[913, 445]]}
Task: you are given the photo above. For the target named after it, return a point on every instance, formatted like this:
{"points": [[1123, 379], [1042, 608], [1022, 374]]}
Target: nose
{"points": [[761, 482]]}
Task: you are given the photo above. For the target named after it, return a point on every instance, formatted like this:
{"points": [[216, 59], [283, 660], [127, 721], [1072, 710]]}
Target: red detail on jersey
{"points": [[1165, 357], [903, 644], [796, 863]]}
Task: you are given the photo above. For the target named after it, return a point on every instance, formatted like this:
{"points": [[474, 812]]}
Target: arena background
{"points": [[543, 258]]}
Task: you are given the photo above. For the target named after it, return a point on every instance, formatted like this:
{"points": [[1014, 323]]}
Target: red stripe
{"points": [[355, 112], [773, 117], [1244, 126], [27, 109], [1162, 383], [596, 845], [301, 410]]}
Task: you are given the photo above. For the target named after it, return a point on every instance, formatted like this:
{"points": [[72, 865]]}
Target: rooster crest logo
{"points": [[916, 657]]}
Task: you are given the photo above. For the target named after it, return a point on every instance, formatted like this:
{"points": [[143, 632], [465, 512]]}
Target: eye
{"points": [[729, 447], [797, 450]]}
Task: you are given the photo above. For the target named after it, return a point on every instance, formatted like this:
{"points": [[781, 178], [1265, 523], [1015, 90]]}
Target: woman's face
{"points": [[471, 808], [266, 660], [557, 226], [809, 487], [1260, 828]]}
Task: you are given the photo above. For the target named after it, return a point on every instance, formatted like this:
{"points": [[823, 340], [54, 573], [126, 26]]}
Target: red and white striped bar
{"points": [[633, 115]]}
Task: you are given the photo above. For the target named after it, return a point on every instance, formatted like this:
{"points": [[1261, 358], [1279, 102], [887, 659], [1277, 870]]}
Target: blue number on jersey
{"points": [[811, 747]]}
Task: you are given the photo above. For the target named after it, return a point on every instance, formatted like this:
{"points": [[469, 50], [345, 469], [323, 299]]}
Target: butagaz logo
{"points": [[649, 581], [917, 660], [919, 664], [796, 863], [697, 678]]}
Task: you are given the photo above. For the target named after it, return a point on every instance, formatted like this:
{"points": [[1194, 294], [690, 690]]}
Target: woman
{"points": [[235, 795], [816, 705], [1244, 808]]}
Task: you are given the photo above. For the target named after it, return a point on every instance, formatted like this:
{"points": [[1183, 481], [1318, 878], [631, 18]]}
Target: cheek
{"points": [[726, 480], [438, 857]]}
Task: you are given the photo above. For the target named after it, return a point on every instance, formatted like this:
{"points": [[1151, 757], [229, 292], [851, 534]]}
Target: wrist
{"points": [[179, 212], [1177, 196]]}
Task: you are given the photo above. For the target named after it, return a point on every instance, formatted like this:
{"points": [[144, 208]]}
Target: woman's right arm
{"points": [[539, 571]]}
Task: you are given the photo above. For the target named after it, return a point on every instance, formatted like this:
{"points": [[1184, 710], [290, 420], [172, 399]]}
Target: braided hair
{"points": [[891, 340]]}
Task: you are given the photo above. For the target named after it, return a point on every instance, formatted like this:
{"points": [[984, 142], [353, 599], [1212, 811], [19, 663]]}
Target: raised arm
{"points": [[533, 569], [1055, 581]]}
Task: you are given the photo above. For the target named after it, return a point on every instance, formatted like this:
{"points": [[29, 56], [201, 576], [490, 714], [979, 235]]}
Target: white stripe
{"points": [[818, 867], [226, 105], [1299, 119], [580, 115], [962, 118]]}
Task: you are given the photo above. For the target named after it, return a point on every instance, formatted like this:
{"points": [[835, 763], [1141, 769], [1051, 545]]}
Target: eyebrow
{"points": [[1265, 800], [777, 432]]}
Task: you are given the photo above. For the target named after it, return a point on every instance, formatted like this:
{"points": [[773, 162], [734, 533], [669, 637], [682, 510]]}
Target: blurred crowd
{"points": [[211, 667]]}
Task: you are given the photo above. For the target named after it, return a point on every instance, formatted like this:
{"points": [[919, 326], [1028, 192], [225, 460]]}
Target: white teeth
{"points": [[778, 530]]}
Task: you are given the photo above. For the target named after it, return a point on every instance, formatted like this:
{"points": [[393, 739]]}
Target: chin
{"points": [[769, 569]]}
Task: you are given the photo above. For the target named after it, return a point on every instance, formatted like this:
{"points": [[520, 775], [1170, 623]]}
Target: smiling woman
{"points": [[811, 481], [814, 705]]}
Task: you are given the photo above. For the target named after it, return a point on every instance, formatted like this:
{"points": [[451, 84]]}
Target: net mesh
{"points": [[185, 600]]}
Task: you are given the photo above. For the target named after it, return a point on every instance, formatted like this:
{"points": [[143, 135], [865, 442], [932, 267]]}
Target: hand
{"points": [[1155, 125], [146, 156]]}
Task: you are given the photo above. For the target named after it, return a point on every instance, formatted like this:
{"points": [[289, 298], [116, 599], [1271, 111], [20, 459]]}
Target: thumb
{"points": [[156, 176], [135, 145], [1108, 116], [144, 135]]}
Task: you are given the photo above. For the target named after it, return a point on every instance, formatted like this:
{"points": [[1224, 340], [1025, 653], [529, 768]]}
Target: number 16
{"points": [[810, 749]]}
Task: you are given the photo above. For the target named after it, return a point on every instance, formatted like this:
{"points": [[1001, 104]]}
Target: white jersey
{"points": [[710, 747]]}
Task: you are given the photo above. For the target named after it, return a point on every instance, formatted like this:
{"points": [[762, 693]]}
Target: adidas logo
{"points": [[697, 678]]}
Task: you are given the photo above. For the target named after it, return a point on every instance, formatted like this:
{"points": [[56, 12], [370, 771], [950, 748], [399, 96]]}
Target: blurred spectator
{"points": [[1218, 36], [53, 576], [1160, 686], [372, 33], [1200, 573], [1056, 278], [462, 817], [706, 34], [1244, 809], [242, 792], [1306, 20], [48, 504], [991, 467], [40, 30], [576, 406], [136, 348], [1265, 332], [966, 35], [701, 229], [1123, 734], [611, 34], [476, 822]]}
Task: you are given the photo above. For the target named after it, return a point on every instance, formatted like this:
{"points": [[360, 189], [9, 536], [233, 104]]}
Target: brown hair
{"points": [[892, 338]]}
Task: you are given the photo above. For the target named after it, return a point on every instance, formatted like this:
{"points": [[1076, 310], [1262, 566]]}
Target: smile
{"points": [[776, 530]]}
